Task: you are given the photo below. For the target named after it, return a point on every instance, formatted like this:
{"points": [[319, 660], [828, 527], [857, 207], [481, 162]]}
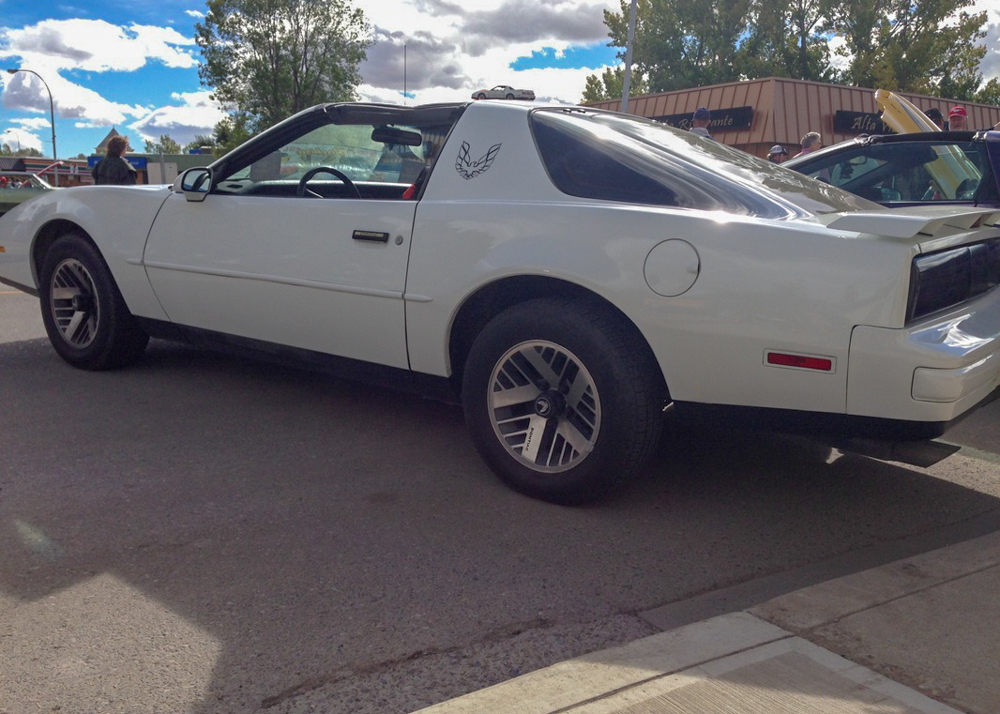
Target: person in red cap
{"points": [[958, 119], [3, 182]]}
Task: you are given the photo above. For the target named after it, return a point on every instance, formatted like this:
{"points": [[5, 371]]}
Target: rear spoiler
{"points": [[909, 223]]}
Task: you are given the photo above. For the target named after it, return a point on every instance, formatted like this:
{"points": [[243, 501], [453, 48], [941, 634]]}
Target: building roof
{"points": [[783, 110], [11, 163], [102, 148]]}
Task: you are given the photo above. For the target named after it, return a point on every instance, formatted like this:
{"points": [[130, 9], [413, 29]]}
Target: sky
{"points": [[134, 66]]}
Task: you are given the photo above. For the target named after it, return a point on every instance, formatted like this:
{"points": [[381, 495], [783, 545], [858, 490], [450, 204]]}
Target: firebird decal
{"points": [[470, 169]]}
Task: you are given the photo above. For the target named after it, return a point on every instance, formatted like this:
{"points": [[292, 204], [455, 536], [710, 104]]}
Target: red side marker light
{"points": [[782, 359]]}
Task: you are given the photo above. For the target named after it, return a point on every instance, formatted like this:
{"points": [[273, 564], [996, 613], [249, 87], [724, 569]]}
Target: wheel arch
{"points": [[47, 236], [492, 299]]}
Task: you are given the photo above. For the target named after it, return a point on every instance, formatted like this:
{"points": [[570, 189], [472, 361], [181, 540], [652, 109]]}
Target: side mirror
{"points": [[194, 184]]}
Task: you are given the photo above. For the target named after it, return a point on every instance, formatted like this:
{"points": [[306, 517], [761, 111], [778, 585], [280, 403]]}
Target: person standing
{"points": [[958, 119], [934, 114], [700, 121], [777, 154], [810, 142], [115, 168]]}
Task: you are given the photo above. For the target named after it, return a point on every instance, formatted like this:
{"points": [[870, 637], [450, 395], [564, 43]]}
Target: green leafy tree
{"points": [[6, 150], [200, 142], [921, 46], [682, 44], [785, 39], [165, 145], [268, 59], [231, 132], [990, 94], [611, 83]]}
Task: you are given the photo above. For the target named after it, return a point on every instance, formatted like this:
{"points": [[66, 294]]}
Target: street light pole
{"points": [[627, 80], [52, 115], [16, 136]]}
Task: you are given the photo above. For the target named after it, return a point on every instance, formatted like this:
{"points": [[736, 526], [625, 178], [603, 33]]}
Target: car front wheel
{"points": [[562, 399], [85, 316]]}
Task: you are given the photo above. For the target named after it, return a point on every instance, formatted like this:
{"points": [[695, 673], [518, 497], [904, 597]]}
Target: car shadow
{"points": [[280, 535]]}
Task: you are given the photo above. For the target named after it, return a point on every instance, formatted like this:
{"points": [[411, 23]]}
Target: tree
{"points": [[6, 150], [990, 94], [231, 132], [611, 84], [268, 59], [682, 44], [165, 145], [922, 46], [784, 39], [200, 142]]}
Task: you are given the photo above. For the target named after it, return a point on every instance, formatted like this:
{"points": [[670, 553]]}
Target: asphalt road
{"points": [[203, 534]]}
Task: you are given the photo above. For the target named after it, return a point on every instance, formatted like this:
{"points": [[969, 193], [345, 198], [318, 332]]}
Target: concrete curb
{"points": [[733, 663], [762, 660]]}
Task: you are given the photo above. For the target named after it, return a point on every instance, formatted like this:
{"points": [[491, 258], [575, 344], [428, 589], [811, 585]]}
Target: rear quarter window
{"points": [[613, 157]]}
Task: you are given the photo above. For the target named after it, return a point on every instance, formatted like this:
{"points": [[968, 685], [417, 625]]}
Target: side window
{"points": [[583, 169], [346, 148], [381, 161]]}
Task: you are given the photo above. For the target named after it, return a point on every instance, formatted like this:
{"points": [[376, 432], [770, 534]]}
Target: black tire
{"points": [[510, 96], [481, 95], [85, 316], [576, 440]]}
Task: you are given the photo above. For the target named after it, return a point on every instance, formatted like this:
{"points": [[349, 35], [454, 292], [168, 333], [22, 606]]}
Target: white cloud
{"points": [[990, 66], [194, 13], [96, 46], [196, 114], [23, 137], [453, 48], [52, 46], [58, 49]]}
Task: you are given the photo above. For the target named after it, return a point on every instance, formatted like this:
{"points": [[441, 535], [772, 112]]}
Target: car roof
{"points": [[936, 137]]}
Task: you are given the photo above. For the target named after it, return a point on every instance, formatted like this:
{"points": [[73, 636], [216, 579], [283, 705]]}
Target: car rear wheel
{"points": [[562, 399], [510, 96], [481, 95], [85, 316]]}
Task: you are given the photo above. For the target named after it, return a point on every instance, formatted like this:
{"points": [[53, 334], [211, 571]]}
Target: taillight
{"points": [[948, 278]]}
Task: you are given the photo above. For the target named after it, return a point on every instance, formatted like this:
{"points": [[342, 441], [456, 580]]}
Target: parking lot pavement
{"points": [[20, 317]]}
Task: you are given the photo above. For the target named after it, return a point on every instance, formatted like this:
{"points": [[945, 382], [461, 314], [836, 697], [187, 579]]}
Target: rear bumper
{"points": [[932, 372]]}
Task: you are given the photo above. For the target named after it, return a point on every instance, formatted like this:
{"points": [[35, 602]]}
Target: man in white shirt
{"points": [[700, 121]]}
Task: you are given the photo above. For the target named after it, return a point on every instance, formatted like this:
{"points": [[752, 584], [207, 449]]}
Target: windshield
{"points": [[622, 158], [906, 171]]}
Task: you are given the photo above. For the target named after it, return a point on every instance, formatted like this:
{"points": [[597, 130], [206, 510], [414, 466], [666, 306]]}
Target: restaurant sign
{"points": [[722, 119], [845, 122]]}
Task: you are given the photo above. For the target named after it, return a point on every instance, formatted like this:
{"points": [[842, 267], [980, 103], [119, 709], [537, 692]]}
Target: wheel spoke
{"points": [[544, 406], [70, 331], [534, 437], [73, 303], [577, 389], [537, 360], [573, 437], [514, 396]]}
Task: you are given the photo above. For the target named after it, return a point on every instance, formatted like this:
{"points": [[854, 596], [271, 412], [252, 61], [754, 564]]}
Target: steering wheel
{"points": [[301, 190]]}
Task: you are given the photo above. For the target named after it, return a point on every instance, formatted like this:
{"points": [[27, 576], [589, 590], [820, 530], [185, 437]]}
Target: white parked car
{"points": [[567, 274], [504, 91]]}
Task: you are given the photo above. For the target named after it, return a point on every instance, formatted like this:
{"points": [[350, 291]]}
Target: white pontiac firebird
{"points": [[568, 274]]}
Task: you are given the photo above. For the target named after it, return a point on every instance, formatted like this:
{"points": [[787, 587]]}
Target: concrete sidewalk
{"points": [[915, 636]]}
